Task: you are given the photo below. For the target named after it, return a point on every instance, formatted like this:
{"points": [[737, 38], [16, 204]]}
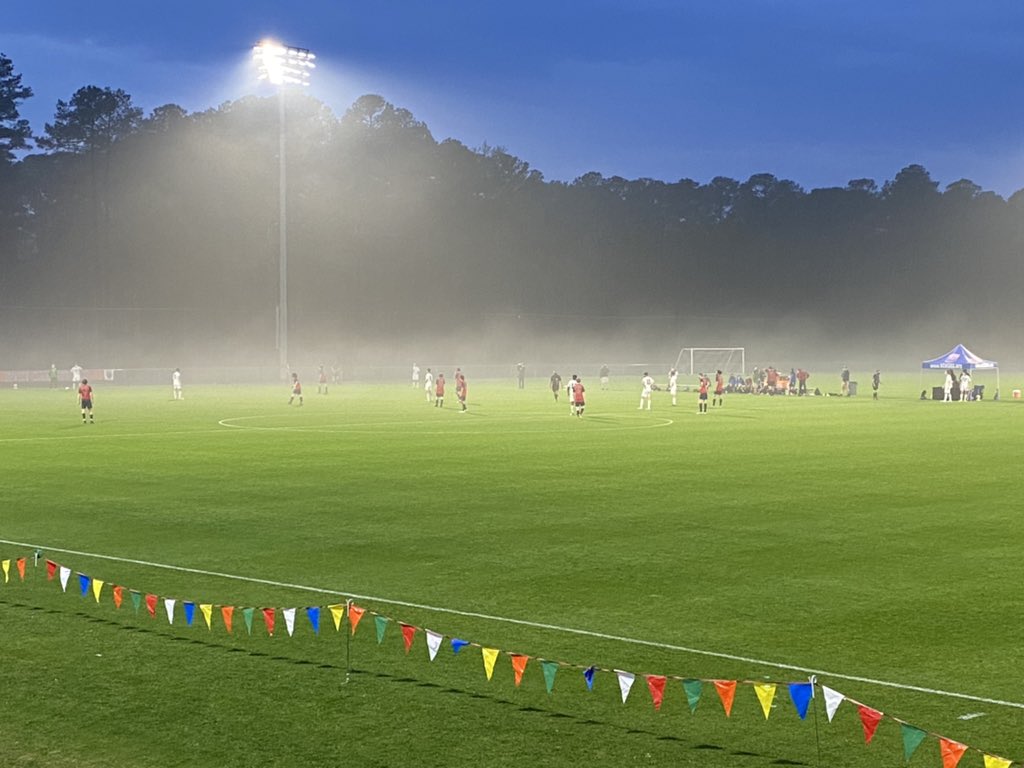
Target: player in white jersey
{"points": [[176, 384], [428, 385], [673, 384], [415, 375], [645, 393]]}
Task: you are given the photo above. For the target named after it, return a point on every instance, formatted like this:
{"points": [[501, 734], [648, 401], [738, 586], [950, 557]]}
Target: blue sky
{"points": [[817, 91]]}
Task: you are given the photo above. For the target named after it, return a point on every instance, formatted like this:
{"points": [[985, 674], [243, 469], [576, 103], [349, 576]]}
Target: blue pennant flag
{"points": [[588, 675], [190, 611], [313, 614], [801, 693], [83, 582], [458, 645]]}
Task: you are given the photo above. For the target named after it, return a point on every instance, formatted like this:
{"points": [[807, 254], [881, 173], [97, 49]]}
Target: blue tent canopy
{"points": [[960, 357]]}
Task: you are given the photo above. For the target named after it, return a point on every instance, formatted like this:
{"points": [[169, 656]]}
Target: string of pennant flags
{"points": [[800, 693]]}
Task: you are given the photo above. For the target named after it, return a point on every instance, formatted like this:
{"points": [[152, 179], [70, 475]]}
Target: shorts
{"points": [[702, 396], [87, 404]]}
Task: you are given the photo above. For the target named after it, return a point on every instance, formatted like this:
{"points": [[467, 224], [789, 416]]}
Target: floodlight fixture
{"points": [[283, 64]]}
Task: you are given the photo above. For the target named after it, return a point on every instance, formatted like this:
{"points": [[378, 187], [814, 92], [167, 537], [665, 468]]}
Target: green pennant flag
{"points": [[136, 600], [381, 623], [692, 688], [912, 738], [247, 614], [550, 668]]}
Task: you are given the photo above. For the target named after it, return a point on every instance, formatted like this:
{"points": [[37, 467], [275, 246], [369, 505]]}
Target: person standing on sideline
{"points": [[578, 391], [673, 384], [176, 384], [645, 393], [556, 384], [719, 389], [321, 380], [85, 400], [415, 376], [844, 376], [521, 374], [801, 378], [947, 387], [296, 389], [605, 373], [76, 375], [702, 394], [428, 384], [53, 375], [876, 380], [439, 391], [460, 388], [966, 390]]}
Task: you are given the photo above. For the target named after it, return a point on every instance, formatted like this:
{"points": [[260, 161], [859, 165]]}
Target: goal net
{"points": [[728, 360]]}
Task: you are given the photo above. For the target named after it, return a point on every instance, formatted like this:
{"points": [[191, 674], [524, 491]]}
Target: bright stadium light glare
{"points": [[283, 64]]}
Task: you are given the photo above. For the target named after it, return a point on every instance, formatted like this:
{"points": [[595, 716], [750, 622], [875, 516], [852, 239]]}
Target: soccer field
{"points": [[875, 544]]}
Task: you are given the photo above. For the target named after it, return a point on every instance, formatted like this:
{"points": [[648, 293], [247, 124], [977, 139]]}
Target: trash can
{"points": [[853, 388]]}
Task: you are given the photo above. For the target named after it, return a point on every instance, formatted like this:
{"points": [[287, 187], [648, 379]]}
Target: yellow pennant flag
{"points": [[337, 611], [490, 656], [7, 570], [765, 694], [207, 610], [991, 761], [97, 587]]}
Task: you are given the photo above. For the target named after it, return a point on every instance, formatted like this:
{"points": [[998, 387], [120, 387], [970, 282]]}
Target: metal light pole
{"points": [[283, 65]]}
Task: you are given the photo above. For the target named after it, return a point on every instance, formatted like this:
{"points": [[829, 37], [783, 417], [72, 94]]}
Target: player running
{"points": [[296, 389]]}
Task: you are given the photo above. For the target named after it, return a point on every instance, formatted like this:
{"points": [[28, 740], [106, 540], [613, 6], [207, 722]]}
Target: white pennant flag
{"points": [[832, 701], [625, 682], [169, 605], [65, 574], [289, 619], [433, 643]]}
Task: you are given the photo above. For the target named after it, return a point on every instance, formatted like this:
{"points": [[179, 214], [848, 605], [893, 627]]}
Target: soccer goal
{"points": [[710, 359]]}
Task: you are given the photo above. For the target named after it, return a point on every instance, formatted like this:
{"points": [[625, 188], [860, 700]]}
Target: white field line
{"points": [[534, 624]]}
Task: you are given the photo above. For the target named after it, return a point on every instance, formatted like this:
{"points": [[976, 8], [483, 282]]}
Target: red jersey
{"points": [[704, 382], [85, 392], [460, 386], [439, 390], [577, 392], [719, 384], [296, 387]]}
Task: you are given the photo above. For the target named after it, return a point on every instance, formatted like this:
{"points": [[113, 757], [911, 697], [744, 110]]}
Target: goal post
{"points": [[693, 360]]}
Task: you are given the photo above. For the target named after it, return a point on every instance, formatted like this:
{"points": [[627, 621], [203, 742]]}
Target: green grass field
{"points": [[872, 540]]}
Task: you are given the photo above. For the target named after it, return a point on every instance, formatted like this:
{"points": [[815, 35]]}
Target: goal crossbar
{"points": [[707, 359]]}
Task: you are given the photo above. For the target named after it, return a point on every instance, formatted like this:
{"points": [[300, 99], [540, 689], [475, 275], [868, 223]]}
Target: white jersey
{"points": [[76, 373], [416, 374], [428, 380], [176, 379], [648, 383], [672, 379]]}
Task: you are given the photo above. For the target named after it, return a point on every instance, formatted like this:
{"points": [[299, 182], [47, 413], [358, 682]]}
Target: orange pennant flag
{"points": [[951, 751], [151, 605], [21, 568], [226, 612], [268, 618], [408, 633], [518, 666], [656, 685], [869, 718], [726, 692], [51, 570], [118, 595], [355, 613]]}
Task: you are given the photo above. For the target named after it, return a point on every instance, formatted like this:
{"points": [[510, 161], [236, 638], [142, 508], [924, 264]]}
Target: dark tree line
{"points": [[117, 228]]}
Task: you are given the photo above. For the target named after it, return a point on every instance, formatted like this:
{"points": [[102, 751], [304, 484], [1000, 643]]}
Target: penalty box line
{"points": [[533, 624]]}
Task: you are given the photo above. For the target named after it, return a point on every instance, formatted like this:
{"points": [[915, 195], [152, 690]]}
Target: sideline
{"points": [[534, 624]]}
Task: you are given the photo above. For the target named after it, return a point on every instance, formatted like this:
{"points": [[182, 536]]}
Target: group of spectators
{"points": [[769, 381]]}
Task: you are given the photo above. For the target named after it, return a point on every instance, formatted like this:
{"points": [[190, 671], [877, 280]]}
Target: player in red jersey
{"points": [[577, 395], [719, 389], [702, 396], [85, 400], [439, 391], [460, 388], [296, 389], [321, 382]]}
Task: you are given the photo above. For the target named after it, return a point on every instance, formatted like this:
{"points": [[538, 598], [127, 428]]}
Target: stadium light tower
{"points": [[283, 66]]}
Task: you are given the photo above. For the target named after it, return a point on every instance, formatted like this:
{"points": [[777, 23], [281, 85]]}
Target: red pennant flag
{"points": [[726, 692], [408, 633], [519, 666], [118, 595], [269, 615], [355, 613], [226, 612], [51, 570], [656, 685], [869, 718], [21, 568], [951, 751], [151, 605]]}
